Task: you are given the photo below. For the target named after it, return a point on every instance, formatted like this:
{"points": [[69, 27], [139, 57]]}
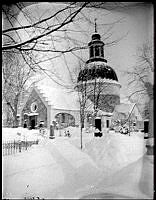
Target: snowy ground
{"points": [[11, 134], [113, 166]]}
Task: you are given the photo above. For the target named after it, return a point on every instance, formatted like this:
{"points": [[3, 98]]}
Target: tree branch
{"points": [[65, 22]]}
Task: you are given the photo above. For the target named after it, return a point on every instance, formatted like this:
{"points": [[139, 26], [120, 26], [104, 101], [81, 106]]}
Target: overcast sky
{"points": [[135, 26]]}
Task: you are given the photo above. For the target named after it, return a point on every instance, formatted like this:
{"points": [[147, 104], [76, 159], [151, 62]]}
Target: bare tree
{"points": [[42, 37], [39, 29], [82, 96], [42, 27], [35, 38], [141, 75], [141, 79], [15, 77]]}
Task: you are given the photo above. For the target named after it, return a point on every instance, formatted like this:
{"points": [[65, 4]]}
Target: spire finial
{"points": [[95, 25]]}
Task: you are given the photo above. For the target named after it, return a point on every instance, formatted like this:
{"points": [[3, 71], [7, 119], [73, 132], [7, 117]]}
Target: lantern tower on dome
{"points": [[97, 71]]}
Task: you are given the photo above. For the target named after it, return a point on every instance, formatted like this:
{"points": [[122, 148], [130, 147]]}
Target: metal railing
{"points": [[12, 147]]}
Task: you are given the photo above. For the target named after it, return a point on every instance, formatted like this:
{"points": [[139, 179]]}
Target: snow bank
{"points": [[79, 169], [74, 132], [134, 181], [56, 169], [11, 134], [114, 151], [33, 173], [52, 170], [75, 136]]}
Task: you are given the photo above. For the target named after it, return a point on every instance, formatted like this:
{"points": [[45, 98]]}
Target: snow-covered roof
{"points": [[101, 112], [124, 107], [127, 108], [59, 98]]}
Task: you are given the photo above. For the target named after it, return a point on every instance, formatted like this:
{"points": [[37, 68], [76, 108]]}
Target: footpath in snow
{"points": [[78, 168]]}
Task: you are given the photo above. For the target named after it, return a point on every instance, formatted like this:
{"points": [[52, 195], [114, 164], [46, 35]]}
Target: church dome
{"points": [[106, 93], [97, 71]]}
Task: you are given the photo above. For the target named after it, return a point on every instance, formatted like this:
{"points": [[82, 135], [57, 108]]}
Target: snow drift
{"points": [[114, 151], [23, 134], [57, 168], [135, 181]]}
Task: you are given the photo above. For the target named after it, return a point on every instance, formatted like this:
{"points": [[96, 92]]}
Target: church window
{"points": [[102, 53], [34, 107], [91, 51], [97, 52]]}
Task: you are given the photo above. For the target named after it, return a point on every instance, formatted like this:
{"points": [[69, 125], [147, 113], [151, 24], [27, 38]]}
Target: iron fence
{"points": [[12, 147]]}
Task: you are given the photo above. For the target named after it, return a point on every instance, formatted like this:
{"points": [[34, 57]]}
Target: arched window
{"points": [[91, 52], [102, 52], [97, 51]]}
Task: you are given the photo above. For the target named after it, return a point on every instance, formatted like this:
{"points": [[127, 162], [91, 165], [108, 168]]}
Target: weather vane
{"points": [[95, 25]]}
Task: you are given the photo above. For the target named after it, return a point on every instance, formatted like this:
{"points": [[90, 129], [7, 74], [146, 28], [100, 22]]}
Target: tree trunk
{"points": [[15, 111], [82, 126], [81, 137], [15, 120]]}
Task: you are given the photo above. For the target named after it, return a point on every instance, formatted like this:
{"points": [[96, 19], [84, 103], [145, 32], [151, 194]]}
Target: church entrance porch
{"points": [[32, 120]]}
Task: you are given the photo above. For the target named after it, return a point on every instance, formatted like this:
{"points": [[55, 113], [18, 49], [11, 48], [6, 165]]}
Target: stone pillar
{"points": [[151, 120], [150, 141], [51, 136]]}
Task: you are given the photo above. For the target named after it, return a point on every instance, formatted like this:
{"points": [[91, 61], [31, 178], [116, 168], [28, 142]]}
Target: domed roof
{"points": [[102, 71]]}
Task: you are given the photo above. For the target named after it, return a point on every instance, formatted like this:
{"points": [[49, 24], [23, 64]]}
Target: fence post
{"points": [[14, 146], [11, 147], [19, 146], [3, 148], [26, 144], [7, 148]]}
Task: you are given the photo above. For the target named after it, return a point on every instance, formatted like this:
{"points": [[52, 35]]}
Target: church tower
{"points": [[103, 88], [96, 48]]}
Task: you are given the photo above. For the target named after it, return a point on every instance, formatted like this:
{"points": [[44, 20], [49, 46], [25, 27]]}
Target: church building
{"points": [[61, 107]]}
